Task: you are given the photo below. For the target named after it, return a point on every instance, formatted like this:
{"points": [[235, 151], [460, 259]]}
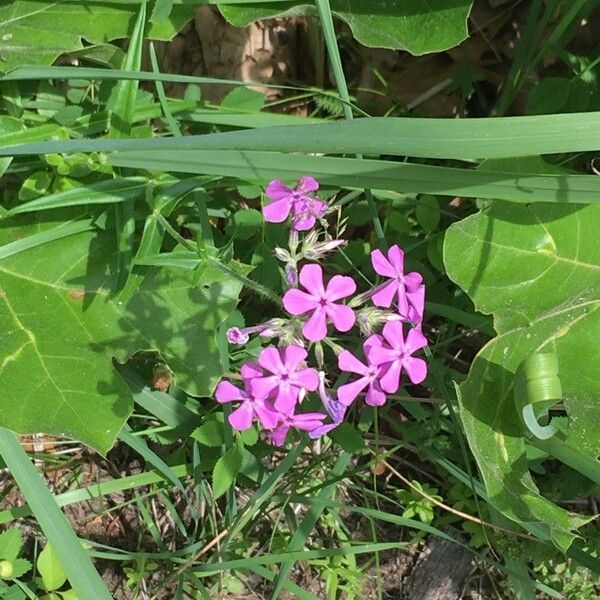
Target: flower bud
{"points": [[371, 318], [317, 250], [283, 255], [291, 275], [237, 336], [6, 569]]}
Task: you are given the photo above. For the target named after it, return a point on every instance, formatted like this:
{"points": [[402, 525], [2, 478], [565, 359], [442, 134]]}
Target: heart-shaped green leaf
{"points": [[37, 32], [536, 268], [60, 326], [418, 26]]}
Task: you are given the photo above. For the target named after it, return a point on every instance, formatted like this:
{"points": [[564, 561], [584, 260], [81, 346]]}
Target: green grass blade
{"points": [[375, 174], [121, 120], [308, 523], [160, 90], [462, 139], [139, 445], [37, 239], [108, 191], [77, 565]]}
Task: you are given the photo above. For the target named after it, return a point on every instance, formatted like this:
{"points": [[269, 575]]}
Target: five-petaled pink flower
{"points": [[241, 418], [287, 377], [395, 353], [370, 375], [302, 421], [321, 302], [402, 286], [304, 208]]}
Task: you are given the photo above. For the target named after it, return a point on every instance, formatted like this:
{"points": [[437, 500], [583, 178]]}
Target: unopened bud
{"points": [[291, 275], [318, 250], [283, 255], [6, 569]]}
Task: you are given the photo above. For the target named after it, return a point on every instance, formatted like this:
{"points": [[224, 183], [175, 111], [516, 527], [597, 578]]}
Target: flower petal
{"points": [[277, 211], [287, 398], [315, 434], [292, 356], [297, 302], [307, 378], [276, 190], [303, 222], [396, 258], [278, 435], [308, 421], [394, 334], [340, 286], [381, 355], [347, 393], [348, 362], [417, 300], [241, 418], [412, 281], [250, 370], [261, 387], [311, 278], [342, 316], [415, 340], [267, 415], [416, 368], [307, 184], [375, 396], [385, 296], [270, 360], [315, 328], [381, 264], [227, 392], [390, 381]]}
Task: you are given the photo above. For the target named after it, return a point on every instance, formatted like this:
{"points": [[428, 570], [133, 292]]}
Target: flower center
{"points": [[323, 302]]}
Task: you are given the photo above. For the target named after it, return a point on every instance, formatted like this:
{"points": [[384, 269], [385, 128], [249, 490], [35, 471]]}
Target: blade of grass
{"points": [[308, 523], [461, 139], [160, 90], [121, 119], [37, 239], [76, 563], [326, 20], [375, 174], [108, 191]]}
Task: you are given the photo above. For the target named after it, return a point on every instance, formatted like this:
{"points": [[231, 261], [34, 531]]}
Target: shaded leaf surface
{"points": [[536, 268], [418, 26], [37, 32], [60, 326]]}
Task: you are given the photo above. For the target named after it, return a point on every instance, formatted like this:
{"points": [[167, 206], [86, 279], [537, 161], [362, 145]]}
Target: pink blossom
{"points": [[287, 377], [370, 375], [336, 411], [241, 418], [400, 285], [395, 353], [320, 301], [301, 421], [306, 209]]}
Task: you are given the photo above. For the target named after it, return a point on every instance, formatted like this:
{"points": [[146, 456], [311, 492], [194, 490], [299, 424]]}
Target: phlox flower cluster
{"points": [[388, 316]]}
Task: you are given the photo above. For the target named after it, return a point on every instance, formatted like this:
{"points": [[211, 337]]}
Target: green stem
{"points": [[340, 82]]}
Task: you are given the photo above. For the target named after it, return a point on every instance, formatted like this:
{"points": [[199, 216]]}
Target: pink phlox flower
{"points": [[286, 377], [400, 285], [302, 421], [321, 302], [284, 200], [250, 408], [416, 306], [336, 410], [370, 375], [395, 354]]}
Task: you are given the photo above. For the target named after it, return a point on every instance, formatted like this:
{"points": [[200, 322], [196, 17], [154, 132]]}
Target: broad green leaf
{"points": [[50, 569], [20, 567], [35, 31], [226, 470], [418, 26], [211, 433], [536, 268], [11, 541], [60, 326]]}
